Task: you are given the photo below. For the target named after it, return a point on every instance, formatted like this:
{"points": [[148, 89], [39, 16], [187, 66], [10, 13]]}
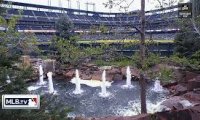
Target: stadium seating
{"points": [[45, 20], [31, 15]]}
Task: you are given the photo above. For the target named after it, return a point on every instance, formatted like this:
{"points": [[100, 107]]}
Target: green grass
{"points": [[123, 41], [115, 41]]}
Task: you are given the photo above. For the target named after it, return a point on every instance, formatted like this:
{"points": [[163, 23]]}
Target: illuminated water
{"points": [[128, 79], [157, 86], [41, 76], [78, 84], [123, 102], [50, 81], [8, 79], [104, 92]]}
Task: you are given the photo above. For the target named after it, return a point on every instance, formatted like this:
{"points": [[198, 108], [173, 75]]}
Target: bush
{"points": [[195, 60], [151, 60], [192, 62], [179, 60], [166, 74]]}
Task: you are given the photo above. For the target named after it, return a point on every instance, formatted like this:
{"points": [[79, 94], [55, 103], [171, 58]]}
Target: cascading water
{"points": [[41, 76], [128, 79], [128, 76], [51, 88], [103, 86], [104, 92], [157, 86], [78, 84], [41, 80], [8, 79]]}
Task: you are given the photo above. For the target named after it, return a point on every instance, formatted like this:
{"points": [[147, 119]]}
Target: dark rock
{"points": [[135, 72], [171, 84], [109, 77], [185, 114], [194, 83], [183, 76], [70, 74], [173, 102], [137, 117], [97, 75], [118, 77], [83, 68], [114, 71], [178, 89], [190, 75], [80, 118], [49, 65], [174, 115], [90, 65], [86, 77], [58, 72], [192, 96], [123, 71], [195, 112], [178, 75], [94, 68]]}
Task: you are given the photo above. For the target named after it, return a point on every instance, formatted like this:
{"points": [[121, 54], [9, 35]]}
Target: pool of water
{"points": [[120, 102]]}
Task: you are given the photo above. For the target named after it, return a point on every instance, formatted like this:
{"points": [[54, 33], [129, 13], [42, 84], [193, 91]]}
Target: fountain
{"points": [[8, 79], [104, 92], [128, 79], [41, 82], [78, 84], [128, 76], [51, 88], [157, 86], [41, 77], [108, 102]]}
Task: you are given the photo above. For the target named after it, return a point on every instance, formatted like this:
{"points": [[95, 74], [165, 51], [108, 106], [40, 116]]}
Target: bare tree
{"points": [[142, 57], [195, 9], [141, 30], [165, 3]]}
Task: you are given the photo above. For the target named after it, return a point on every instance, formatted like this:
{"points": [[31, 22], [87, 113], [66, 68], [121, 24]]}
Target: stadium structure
{"points": [[41, 19]]}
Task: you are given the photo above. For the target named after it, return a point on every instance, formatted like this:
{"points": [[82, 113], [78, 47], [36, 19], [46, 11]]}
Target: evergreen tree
{"points": [[12, 45], [64, 27]]}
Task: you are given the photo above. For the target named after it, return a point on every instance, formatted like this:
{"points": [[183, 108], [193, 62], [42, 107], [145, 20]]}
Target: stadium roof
{"points": [[98, 4], [67, 9]]}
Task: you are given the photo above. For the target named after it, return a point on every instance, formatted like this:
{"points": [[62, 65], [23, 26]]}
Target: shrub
{"points": [[179, 60], [166, 74], [151, 60], [195, 60]]}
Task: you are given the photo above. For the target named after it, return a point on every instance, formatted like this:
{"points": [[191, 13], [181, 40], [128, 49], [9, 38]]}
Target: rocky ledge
{"points": [[92, 72]]}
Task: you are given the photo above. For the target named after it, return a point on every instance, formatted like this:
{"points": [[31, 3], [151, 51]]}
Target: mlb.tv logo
{"points": [[20, 101]]}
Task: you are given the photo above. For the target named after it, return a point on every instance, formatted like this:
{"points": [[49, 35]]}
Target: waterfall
{"points": [[51, 88], [78, 84], [41, 76]]}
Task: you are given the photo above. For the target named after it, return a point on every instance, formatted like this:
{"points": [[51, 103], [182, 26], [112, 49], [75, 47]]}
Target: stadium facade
{"points": [[41, 20]]}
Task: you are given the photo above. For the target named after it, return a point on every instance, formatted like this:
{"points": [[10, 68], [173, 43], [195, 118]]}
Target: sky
{"points": [[99, 6]]}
